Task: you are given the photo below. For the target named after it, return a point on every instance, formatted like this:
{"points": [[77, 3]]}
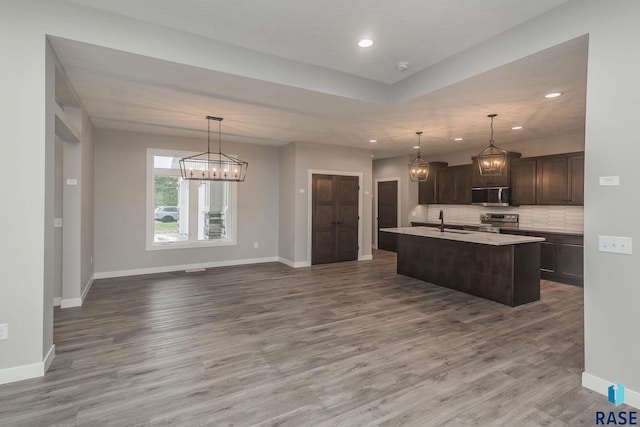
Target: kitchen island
{"points": [[499, 267]]}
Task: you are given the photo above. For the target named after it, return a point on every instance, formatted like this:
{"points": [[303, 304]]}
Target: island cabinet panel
{"points": [[508, 274], [523, 181], [428, 190], [454, 185]]}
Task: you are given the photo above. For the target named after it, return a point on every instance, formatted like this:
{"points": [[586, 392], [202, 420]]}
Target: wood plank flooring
{"points": [[348, 344]]}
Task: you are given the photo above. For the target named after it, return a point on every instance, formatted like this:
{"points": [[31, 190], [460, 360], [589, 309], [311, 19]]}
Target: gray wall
{"points": [[57, 276], [120, 203], [612, 298], [612, 293], [86, 202], [287, 199], [332, 158]]}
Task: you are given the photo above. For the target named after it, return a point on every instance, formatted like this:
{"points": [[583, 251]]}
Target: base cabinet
{"points": [[561, 256]]}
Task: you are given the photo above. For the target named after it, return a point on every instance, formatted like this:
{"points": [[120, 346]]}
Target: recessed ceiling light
{"points": [[416, 146], [553, 95], [372, 155], [373, 141], [517, 127], [365, 43], [457, 139]]}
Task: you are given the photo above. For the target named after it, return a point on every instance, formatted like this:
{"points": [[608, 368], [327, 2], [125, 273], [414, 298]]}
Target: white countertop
{"points": [[576, 232], [494, 239]]}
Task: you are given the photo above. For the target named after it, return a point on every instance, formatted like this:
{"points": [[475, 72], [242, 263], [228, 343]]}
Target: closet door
{"points": [[334, 233]]}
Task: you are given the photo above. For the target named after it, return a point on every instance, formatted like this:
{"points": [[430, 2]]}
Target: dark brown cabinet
{"points": [[454, 184], [561, 256], [576, 179], [493, 181], [560, 179], [428, 190], [523, 181], [544, 180]]}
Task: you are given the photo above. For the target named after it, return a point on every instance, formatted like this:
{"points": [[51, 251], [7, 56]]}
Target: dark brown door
{"points": [[387, 214], [334, 232]]}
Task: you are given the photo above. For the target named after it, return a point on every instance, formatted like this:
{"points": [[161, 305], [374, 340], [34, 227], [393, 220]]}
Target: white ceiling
{"points": [[325, 32], [130, 92]]}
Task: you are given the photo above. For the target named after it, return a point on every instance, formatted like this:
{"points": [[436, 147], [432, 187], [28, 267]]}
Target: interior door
{"points": [[334, 231], [387, 214]]}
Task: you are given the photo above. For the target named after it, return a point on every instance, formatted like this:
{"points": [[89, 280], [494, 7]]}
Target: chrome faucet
{"points": [[441, 217]]}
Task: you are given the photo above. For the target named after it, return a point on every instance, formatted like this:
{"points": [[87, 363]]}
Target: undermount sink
{"points": [[453, 230]]}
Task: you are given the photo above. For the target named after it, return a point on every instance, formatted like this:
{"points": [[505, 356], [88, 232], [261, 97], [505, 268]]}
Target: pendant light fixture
{"points": [[213, 166], [418, 167], [492, 160]]}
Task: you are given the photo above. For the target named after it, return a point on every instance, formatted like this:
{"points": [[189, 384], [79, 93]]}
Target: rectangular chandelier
{"points": [[211, 166]]}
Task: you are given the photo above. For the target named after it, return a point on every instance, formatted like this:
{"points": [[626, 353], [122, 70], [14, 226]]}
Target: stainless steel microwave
{"points": [[490, 196]]}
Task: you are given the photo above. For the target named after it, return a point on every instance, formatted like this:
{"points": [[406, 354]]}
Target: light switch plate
{"points": [[615, 244], [72, 181], [57, 222], [609, 180]]}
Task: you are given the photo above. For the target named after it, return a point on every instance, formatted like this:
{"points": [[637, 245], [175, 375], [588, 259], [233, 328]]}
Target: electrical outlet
{"points": [[255, 245], [4, 331]]}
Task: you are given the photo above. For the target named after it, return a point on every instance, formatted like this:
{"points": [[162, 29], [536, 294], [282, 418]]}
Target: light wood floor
{"points": [[349, 344]]}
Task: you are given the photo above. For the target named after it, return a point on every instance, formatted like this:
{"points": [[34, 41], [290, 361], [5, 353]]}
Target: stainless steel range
{"points": [[492, 222]]}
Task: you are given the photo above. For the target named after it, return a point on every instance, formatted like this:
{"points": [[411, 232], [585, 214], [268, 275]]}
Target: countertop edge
{"points": [[491, 239], [524, 229]]}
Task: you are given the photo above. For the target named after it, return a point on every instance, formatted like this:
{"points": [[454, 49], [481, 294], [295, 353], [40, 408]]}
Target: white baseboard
{"points": [[293, 264], [184, 267], [74, 302], [86, 290], [71, 302], [631, 397], [365, 258], [49, 358], [25, 372]]}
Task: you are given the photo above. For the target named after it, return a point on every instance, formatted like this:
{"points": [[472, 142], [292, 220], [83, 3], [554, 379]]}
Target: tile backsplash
{"points": [[560, 218]]}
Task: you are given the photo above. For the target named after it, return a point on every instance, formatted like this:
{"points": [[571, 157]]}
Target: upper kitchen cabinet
{"points": [[428, 190], [493, 181], [560, 179], [523, 181], [576, 179], [454, 184]]}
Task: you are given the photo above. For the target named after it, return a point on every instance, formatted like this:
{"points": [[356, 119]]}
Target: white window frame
{"points": [[232, 222]]}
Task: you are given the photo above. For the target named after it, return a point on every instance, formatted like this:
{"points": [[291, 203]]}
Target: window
{"points": [[184, 213]]}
